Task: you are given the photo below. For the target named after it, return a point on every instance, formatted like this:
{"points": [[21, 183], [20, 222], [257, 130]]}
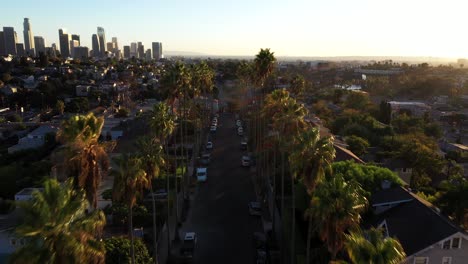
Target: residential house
{"points": [[425, 234], [9, 243], [35, 139], [82, 90], [401, 167], [415, 108]]}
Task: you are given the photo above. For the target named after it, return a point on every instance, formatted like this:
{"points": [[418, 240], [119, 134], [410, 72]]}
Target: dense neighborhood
{"points": [[189, 160]]}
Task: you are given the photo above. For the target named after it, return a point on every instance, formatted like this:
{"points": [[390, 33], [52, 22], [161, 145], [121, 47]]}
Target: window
{"points": [[446, 244], [456, 243], [421, 260], [447, 260]]}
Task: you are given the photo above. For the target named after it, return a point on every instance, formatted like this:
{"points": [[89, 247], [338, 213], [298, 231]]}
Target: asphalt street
{"points": [[219, 212]]}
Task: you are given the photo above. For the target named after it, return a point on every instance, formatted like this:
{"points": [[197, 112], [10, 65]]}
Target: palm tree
{"points": [[151, 153], [129, 182], [87, 159], [311, 159], [162, 126], [290, 122], [57, 229], [297, 86], [335, 207], [372, 247]]}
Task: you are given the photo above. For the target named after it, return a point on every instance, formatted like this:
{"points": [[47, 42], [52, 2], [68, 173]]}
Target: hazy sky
{"points": [[242, 27]]}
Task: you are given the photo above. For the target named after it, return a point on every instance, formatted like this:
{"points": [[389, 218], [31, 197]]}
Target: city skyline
{"points": [[298, 28]]}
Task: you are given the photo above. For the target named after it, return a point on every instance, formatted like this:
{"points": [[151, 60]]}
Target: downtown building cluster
{"points": [[70, 46]]}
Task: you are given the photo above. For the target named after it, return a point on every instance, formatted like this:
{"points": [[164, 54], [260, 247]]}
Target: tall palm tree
{"points": [[130, 179], [297, 86], [335, 207], [162, 126], [264, 64], [86, 158], [311, 159], [151, 153], [372, 247], [290, 122], [57, 229]]}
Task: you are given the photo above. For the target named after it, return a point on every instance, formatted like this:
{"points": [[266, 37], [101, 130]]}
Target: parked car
{"points": [[239, 123], [213, 129], [159, 195], [245, 161], [261, 256], [240, 132], [188, 245], [205, 159], [243, 145], [255, 209], [202, 174], [209, 145]]}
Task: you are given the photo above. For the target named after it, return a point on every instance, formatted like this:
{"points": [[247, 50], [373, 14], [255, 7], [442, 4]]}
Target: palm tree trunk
{"points": [[309, 236], [283, 246], [168, 185], [155, 240], [293, 223], [130, 227]]}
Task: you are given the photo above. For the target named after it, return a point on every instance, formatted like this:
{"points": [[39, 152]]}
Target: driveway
{"points": [[219, 212]]}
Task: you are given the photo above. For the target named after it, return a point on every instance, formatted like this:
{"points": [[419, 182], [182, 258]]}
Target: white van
{"points": [[202, 174]]}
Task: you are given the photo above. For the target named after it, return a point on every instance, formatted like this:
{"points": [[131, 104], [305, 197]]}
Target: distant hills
{"points": [[407, 59]]}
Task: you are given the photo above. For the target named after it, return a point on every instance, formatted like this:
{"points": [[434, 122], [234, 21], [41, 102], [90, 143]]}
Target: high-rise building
{"points": [[81, 53], [157, 50], [73, 44], [148, 55], [102, 41], [96, 46], [141, 50], [116, 44], [64, 39], [133, 50], [39, 44], [126, 52], [28, 37], [51, 51], [2, 44], [76, 37], [9, 35], [20, 49], [110, 46]]}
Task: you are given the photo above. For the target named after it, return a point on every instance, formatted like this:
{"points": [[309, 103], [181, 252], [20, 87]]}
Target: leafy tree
{"points": [[357, 145], [297, 85], [335, 207], [372, 247], [370, 177], [118, 248], [454, 200], [358, 101], [57, 228], [60, 107], [385, 112], [123, 112]]}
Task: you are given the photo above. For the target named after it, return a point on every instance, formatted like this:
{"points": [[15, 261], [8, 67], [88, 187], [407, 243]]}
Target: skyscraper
{"points": [[64, 39], [126, 52], [102, 41], [39, 44], [116, 44], [9, 35], [77, 38], [2, 44], [157, 50], [73, 44], [81, 53], [148, 55], [20, 49], [141, 50], [28, 37], [110, 46], [133, 50], [96, 46]]}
